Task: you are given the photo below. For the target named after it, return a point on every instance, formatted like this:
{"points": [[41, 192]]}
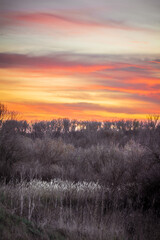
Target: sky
{"points": [[86, 60]]}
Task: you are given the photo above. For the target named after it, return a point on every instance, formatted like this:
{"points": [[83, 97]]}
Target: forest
{"points": [[71, 179]]}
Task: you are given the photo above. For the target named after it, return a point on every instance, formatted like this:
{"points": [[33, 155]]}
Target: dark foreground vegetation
{"points": [[79, 180]]}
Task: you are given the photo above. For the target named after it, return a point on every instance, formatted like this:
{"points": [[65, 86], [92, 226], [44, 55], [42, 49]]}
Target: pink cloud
{"points": [[63, 20]]}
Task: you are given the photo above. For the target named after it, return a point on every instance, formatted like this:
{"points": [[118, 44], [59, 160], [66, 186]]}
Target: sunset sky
{"points": [[87, 59]]}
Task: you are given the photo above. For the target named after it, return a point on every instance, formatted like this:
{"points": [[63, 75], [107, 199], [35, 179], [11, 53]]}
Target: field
{"points": [[80, 180]]}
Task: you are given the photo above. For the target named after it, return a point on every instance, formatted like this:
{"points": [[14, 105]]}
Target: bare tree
{"points": [[5, 114], [153, 120]]}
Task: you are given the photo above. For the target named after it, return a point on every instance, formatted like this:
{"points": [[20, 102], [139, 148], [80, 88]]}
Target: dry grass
{"points": [[78, 209]]}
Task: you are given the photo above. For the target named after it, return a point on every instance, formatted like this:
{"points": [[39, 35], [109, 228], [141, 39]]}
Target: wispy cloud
{"points": [[63, 19], [84, 59], [83, 111], [66, 83]]}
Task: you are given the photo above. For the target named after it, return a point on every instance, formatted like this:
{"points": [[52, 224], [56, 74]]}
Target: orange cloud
{"points": [[46, 87], [83, 111]]}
